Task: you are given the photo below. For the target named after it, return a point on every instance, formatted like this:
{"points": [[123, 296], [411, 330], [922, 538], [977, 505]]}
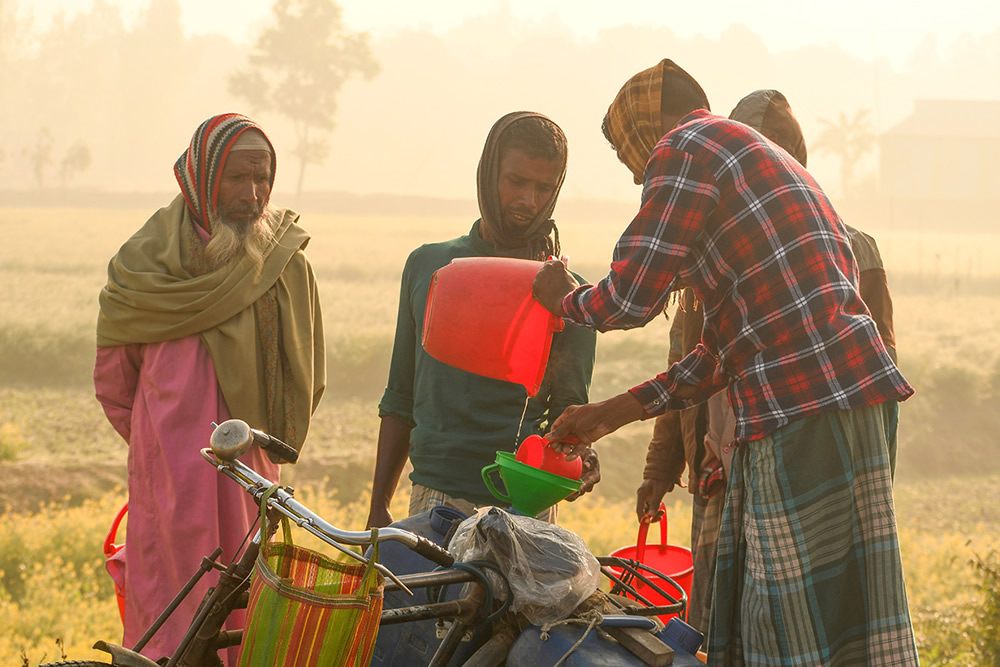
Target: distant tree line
{"points": [[92, 75]]}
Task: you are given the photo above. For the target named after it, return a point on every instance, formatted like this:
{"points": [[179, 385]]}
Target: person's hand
{"points": [[552, 283], [648, 497], [579, 426], [378, 517], [591, 474]]}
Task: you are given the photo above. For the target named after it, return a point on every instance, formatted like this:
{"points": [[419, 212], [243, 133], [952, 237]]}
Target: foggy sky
{"points": [[419, 126]]}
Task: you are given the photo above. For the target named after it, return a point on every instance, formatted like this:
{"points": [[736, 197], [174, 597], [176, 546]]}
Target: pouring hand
{"points": [[553, 282], [588, 423]]}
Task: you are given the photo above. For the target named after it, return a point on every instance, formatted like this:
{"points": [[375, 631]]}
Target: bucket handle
{"points": [[557, 324], [110, 548], [640, 542], [489, 483]]}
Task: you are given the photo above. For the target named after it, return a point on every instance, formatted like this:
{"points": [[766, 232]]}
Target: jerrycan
{"points": [[406, 644], [481, 318], [574, 646]]}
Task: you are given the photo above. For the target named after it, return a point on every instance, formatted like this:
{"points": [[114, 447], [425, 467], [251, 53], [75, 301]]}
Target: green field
{"points": [[63, 468]]}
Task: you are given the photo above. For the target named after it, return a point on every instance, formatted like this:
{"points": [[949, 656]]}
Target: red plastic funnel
{"points": [[481, 318]]}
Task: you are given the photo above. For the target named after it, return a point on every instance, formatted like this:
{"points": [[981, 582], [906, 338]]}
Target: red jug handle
{"points": [[110, 548], [556, 323], [640, 542]]}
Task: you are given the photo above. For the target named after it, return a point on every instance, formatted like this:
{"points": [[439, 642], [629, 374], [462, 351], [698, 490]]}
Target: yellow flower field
{"points": [[62, 467]]}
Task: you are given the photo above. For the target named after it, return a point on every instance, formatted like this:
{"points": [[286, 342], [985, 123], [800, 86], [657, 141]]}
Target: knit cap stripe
{"points": [[198, 169]]}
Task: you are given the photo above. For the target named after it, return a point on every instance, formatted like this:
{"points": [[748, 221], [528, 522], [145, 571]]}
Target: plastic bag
{"points": [[548, 568]]}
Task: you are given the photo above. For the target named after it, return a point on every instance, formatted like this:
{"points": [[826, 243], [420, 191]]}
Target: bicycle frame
{"points": [[205, 637]]}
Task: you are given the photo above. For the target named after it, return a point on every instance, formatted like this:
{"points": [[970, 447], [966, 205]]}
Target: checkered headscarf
{"points": [[198, 168], [633, 119]]}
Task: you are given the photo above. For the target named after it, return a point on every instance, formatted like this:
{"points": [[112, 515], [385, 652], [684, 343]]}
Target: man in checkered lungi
{"points": [[808, 569]]}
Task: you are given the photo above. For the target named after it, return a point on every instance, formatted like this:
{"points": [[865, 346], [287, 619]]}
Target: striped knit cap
{"points": [[199, 167]]}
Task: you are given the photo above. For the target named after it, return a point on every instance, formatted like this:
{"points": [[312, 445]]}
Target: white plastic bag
{"points": [[549, 569]]}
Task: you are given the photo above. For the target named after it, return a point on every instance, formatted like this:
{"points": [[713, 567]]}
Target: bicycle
{"points": [[477, 609]]}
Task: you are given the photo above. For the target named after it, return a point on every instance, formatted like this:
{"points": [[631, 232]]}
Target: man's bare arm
{"points": [[393, 451]]}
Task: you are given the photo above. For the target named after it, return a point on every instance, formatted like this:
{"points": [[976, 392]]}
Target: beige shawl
{"points": [[263, 330]]}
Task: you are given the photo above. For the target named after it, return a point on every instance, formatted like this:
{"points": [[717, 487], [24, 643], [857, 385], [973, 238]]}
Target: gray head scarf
{"points": [[538, 240]]}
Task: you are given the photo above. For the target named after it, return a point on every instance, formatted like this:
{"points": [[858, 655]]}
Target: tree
{"points": [[14, 28], [40, 156], [298, 66], [76, 160], [848, 140]]}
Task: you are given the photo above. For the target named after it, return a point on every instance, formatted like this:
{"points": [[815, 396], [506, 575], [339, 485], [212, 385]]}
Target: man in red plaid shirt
{"points": [[808, 565]]}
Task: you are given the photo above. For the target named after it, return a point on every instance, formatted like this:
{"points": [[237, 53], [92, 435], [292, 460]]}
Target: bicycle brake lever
{"points": [[433, 552]]}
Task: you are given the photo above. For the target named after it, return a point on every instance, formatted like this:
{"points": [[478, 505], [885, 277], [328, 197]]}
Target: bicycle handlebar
{"points": [[275, 446], [233, 437], [284, 503], [431, 551]]}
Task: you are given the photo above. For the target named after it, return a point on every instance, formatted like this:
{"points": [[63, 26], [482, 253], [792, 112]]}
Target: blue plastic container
{"points": [[530, 650], [408, 644], [413, 644]]}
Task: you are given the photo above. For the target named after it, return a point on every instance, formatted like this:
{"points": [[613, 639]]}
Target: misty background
{"points": [[378, 110], [101, 98]]}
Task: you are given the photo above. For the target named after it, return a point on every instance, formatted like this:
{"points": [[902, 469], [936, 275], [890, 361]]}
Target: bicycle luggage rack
{"points": [[632, 570]]}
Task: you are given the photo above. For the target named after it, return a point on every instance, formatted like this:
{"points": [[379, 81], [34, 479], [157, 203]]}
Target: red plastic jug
{"points": [[115, 563], [481, 318], [535, 452]]}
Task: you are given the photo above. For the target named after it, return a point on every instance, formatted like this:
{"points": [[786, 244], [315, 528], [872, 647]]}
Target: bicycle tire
{"points": [[77, 663]]}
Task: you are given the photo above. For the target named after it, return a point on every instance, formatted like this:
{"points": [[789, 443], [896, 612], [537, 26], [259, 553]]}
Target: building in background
{"points": [[941, 164]]}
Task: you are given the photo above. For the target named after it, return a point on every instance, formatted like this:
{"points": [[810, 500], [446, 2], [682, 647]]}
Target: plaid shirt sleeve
{"points": [[700, 369], [678, 197]]}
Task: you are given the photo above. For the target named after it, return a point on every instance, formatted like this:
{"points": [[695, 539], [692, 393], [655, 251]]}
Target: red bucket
{"points": [[673, 561], [481, 318], [115, 564]]}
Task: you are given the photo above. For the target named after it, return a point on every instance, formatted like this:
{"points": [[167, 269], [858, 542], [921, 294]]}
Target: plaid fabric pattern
{"points": [[633, 118], [306, 610], [198, 168], [706, 515], [808, 569], [736, 219]]}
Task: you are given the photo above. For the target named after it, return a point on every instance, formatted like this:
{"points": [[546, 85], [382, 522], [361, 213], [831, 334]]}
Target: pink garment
{"points": [[162, 399]]}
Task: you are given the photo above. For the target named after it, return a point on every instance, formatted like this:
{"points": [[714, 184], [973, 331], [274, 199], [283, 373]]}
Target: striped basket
{"points": [[308, 610]]}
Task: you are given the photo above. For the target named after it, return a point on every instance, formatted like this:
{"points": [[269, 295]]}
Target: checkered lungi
{"points": [[808, 569], [706, 516]]}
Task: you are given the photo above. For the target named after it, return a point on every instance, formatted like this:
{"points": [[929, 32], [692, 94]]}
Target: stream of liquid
{"points": [[524, 411]]}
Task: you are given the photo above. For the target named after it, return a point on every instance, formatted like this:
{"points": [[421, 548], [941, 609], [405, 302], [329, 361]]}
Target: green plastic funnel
{"points": [[529, 490]]}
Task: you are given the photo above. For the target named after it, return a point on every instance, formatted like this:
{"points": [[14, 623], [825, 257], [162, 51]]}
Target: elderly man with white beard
{"points": [[210, 312]]}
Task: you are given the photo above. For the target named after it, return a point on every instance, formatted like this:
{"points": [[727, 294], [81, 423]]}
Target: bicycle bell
{"points": [[231, 439]]}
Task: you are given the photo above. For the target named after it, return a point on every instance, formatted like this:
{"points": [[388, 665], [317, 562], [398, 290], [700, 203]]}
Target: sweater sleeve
{"points": [[665, 455]]}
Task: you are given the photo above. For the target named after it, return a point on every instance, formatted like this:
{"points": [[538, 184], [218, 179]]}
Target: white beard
{"points": [[230, 241]]}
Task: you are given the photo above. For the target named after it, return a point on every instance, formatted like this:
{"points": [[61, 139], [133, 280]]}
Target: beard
{"points": [[238, 232]]}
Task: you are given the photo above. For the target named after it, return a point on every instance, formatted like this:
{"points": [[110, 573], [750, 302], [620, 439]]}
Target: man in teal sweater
{"points": [[448, 422]]}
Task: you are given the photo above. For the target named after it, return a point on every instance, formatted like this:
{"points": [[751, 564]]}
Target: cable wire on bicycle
{"points": [[246, 538], [476, 567]]}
